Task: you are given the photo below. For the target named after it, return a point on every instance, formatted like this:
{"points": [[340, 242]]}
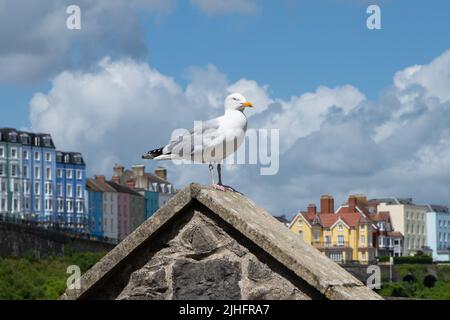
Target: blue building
{"points": [[95, 208], [151, 202], [70, 191], [27, 176], [438, 232]]}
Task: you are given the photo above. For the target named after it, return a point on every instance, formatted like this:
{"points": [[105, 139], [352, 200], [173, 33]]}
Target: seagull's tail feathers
{"points": [[156, 154]]}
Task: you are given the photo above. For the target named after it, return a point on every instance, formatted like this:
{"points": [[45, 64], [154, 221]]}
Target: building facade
{"points": [[438, 232], [410, 220], [343, 237], [70, 191], [27, 176], [152, 186], [131, 209]]}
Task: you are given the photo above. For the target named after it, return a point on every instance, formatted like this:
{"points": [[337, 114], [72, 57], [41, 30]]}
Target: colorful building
{"points": [[438, 232], [154, 187], [410, 220], [130, 209], [102, 208], [342, 236], [70, 191], [27, 176]]}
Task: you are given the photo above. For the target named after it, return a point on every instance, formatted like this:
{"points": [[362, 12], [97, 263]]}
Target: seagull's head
{"points": [[237, 101]]}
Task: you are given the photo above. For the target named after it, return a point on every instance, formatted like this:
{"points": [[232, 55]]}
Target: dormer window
{"points": [[66, 158], [37, 141], [12, 137], [25, 138], [46, 141]]}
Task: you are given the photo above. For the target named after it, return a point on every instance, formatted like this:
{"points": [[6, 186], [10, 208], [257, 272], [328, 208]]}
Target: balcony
{"points": [[319, 244]]}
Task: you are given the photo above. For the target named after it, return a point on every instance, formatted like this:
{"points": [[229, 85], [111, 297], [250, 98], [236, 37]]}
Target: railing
{"points": [[321, 244], [74, 230]]}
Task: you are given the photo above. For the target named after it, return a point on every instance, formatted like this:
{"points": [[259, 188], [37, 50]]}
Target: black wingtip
{"points": [[153, 154]]}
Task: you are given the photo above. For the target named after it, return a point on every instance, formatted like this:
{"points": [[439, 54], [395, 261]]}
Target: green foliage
{"points": [[383, 259], [32, 278], [417, 289], [418, 259]]}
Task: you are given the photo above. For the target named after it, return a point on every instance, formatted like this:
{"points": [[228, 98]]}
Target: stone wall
{"points": [[17, 240]]}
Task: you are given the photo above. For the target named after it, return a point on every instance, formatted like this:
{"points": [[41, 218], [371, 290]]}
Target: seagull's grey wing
{"points": [[188, 142]]}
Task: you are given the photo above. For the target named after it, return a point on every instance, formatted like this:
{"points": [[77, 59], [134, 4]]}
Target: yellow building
{"points": [[343, 237]]}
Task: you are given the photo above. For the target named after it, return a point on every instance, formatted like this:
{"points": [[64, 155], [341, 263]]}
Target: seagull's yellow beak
{"points": [[248, 104]]}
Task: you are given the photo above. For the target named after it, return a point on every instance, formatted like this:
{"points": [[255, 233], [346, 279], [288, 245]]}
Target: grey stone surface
{"points": [[207, 244]]}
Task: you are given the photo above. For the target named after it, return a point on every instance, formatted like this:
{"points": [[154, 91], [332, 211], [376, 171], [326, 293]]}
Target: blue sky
{"points": [[293, 46], [359, 111]]}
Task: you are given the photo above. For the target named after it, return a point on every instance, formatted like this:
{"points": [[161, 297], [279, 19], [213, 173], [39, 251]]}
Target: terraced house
{"points": [[28, 179]]}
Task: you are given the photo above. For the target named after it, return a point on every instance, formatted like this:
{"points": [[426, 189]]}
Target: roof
{"points": [[438, 208], [395, 234], [393, 201], [122, 189], [380, 216], [69, 157], [98, 186], [12, 135], [239, 218]]}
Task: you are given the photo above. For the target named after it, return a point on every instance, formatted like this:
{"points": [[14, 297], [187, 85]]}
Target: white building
{"points": [[410, 220], [438, 232]]}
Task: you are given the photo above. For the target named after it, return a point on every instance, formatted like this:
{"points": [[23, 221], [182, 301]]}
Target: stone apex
{"points": [[253, 223]]}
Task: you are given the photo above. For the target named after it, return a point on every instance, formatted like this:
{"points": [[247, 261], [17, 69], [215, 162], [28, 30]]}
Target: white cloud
{"points": [[42, 46], [215, 7]]}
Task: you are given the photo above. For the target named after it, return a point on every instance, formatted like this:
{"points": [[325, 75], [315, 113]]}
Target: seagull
{"points": [[210, 142]]}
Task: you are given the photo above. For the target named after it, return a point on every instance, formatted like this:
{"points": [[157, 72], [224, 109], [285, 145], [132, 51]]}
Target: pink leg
{"points": [[213, 184]]}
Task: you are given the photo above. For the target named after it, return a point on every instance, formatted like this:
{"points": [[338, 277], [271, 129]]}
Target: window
{"points": [[3, 186], [15, 205], [48, 204], [79, 175], [37, 204], [16, 187], [363, 240], [48, 157], [69, 173], [362, 228], [60, 190], [2, 152], [363, 255], [37, 156], [48, 173], [79, 206], [340, 240], [60, 205], [316, 235], [14, 170], [3, 204], [69, 191], [25, 155], [37, 172], [48, 189], [13, 153], [25, 172], [2, 169], [69, 205], [59, 173], [79, 192], [340, 227], [37, 188], [26, 187]]}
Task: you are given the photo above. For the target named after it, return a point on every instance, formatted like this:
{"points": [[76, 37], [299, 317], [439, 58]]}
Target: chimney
{"points": [[161, 172], [138, 170], [352, 201], [118, 173], [325, 204], [331, 203], [312, 209], [100, 178], [130, 184]]}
